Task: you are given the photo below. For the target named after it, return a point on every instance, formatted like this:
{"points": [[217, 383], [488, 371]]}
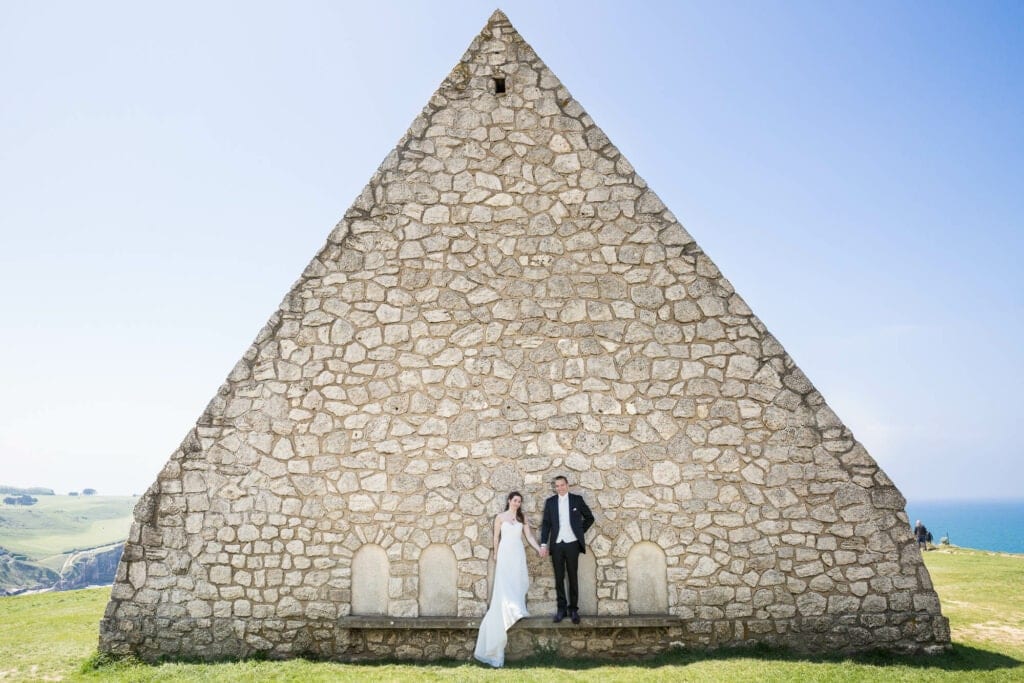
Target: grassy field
{"points": [[983, 595], [47, 531], [53, 637]]}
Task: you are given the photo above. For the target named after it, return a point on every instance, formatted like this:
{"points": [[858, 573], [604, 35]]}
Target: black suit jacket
{"points": [[580, 519]]}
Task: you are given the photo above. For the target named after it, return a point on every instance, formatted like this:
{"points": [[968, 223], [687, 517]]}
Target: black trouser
{"points": [[565, 557]]}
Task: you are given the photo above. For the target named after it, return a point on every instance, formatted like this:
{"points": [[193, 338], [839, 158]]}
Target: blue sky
{"points": [[167, 171]]}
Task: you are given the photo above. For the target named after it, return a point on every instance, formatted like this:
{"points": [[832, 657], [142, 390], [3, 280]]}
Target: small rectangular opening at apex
{"points": [[499, 86]]}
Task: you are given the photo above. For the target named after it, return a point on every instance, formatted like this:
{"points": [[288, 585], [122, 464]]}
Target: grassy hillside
{"points": [[47, 531], [53, 636]]}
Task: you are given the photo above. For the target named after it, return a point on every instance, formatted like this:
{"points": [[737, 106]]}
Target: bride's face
{"points": [[514, 502]]}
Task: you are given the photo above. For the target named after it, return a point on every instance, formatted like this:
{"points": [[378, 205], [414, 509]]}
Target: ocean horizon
{"points": [[996, 525]]}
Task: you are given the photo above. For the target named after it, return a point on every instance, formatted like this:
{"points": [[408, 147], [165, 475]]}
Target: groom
{"points": [[566, 519]]}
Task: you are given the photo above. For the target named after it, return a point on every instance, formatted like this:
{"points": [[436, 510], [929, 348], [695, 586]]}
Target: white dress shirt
{"points": [[565, 534]]}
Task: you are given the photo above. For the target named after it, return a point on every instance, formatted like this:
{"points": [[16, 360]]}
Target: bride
{"points": [[508, 598]]}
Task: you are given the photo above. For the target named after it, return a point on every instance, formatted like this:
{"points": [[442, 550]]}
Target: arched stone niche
{"points": [[647, 579], [587, 573], [371, 572], [438, 574]]}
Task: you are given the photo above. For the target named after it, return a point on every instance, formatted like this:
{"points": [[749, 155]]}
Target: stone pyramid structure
{"points": [[504, 302]]}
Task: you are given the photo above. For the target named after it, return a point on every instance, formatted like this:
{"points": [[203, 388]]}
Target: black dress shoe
{"points": [[575, 616], [559, 615]]}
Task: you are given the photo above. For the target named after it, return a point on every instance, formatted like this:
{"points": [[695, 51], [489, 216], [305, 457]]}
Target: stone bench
{"points": [[527, 624], [431, 638]]}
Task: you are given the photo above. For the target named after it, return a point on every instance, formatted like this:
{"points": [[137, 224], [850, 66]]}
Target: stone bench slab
{"points": [[529, 624]]}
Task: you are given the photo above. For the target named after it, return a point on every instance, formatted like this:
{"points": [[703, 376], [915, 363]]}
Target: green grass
{"points": [[53, 636], [986, 593], [56, 525], [49, 634]]}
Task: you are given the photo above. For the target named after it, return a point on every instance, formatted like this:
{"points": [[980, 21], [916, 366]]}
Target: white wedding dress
{"points": [[508, 600]]}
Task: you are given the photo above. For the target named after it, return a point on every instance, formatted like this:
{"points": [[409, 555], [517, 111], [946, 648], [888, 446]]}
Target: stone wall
{"points": [[506, 301]]}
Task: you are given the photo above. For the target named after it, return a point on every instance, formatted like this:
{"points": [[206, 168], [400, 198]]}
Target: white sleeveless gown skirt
{"points": [[508, 600]]}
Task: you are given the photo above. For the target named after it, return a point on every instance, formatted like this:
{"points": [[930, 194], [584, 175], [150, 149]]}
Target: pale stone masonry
{"points": [[507, 301]]}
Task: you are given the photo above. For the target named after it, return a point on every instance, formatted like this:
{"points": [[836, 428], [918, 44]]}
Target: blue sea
{"points": [[983, 524]]}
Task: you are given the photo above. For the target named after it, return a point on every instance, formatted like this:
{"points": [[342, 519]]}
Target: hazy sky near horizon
{"points": [[167, 170]]}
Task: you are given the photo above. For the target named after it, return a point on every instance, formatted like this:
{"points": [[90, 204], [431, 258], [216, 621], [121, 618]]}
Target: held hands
{"points": [[543, 550]]}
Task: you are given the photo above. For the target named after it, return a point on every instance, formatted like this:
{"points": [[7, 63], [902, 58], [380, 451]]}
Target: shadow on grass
{"points": [[961, 658]]}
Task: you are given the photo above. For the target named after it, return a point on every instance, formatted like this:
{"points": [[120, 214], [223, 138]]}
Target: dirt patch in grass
{"points": [[992, 631]]}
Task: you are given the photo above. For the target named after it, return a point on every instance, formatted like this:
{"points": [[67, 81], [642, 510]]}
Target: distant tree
{"points": [[88, 492], [34, 491], [72, 493]]}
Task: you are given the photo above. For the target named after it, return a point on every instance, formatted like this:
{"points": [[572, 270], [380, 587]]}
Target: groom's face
{"points": [[561, 487]]}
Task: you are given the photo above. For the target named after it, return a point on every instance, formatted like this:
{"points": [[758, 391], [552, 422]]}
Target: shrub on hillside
{"points": [[21, 500]]}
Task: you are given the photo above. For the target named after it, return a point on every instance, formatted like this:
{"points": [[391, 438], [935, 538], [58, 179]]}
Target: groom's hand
{"points": [[543, 551]]}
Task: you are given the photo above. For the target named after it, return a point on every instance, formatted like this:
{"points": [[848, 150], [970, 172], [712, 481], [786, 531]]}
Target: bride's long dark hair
{"points": [[519, 512]]}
